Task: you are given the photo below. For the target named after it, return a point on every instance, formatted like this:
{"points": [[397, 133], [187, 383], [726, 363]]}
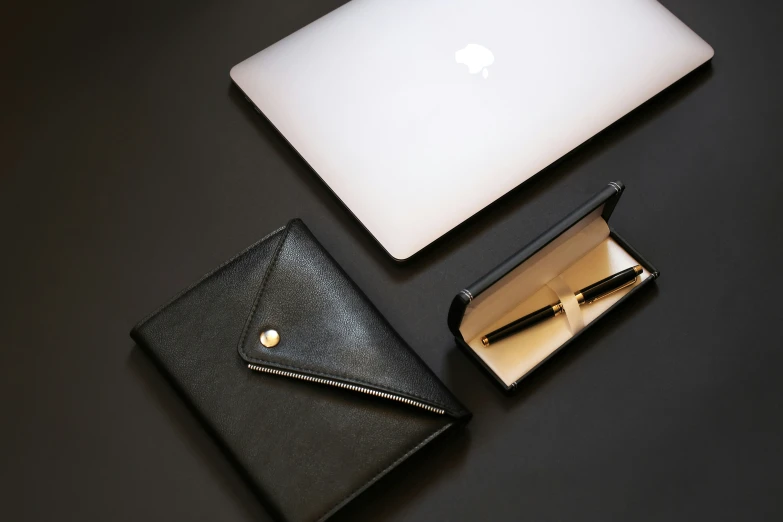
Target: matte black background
{"points": [[131, 166]]}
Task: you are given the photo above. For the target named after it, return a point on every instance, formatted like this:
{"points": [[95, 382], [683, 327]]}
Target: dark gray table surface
{"points": [[131, 166]]}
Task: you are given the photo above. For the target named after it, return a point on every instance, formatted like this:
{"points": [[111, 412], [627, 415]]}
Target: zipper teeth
{"points": [[352, 387]]}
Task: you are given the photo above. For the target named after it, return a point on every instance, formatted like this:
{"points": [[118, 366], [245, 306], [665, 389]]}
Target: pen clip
{"points": [[610, 292]]}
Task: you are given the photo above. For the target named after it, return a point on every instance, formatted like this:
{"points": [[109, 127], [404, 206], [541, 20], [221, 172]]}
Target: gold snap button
{"points": [[270, 338]]}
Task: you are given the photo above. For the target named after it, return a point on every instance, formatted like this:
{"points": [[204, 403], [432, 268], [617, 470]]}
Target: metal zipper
{"points": [[352, 387]]}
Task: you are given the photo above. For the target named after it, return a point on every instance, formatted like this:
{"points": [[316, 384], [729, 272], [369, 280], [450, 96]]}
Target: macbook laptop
{"points": [[420, 113]]}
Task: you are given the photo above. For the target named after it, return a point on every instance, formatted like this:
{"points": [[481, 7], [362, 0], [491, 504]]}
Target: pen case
{"points": [[309, 390], [576, 252]]}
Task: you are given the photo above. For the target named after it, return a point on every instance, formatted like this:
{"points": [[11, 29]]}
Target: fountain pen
{"points": [[587, 295]]}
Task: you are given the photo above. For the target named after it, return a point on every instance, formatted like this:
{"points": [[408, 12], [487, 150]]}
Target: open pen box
{"points": [[575, 253]]}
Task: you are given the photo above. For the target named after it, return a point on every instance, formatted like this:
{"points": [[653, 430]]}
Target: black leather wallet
{"points": [[307, 387]]}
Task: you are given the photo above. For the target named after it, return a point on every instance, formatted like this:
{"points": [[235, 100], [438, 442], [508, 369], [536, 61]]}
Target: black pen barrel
{"points": [[521, 323], [586, 295], [608, 285]]}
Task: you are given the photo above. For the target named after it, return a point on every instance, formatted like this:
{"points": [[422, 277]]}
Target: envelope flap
{"points": [[328, 329]]}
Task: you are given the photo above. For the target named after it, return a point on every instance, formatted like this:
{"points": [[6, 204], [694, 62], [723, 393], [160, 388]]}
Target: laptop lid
{"points": [[419, 113]]}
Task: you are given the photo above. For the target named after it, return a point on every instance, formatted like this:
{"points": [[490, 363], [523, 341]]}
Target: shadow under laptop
{"points": [[540, 184]]}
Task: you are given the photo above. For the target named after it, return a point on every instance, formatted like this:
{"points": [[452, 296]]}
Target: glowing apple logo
{"points": [[476, 57]]}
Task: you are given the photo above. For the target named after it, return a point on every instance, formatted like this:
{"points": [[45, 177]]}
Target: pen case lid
{"points": [[608, 197]]}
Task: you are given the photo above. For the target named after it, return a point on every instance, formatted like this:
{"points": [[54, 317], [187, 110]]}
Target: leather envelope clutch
{"points": [[307, 387]]}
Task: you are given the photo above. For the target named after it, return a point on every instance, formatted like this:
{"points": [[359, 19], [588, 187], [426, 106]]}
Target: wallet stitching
{"points": [[388, 468], [243, 340]]}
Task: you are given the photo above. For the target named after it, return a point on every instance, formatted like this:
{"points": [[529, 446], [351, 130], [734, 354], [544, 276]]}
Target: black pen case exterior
{"points": [[608, 198], [339, 402]]}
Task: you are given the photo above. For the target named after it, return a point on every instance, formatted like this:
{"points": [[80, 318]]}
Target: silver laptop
{"points": [[420, 113]]}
